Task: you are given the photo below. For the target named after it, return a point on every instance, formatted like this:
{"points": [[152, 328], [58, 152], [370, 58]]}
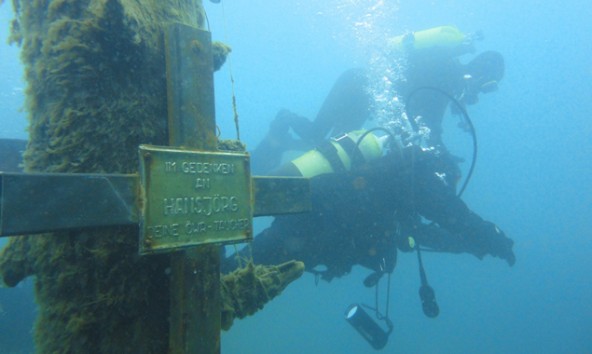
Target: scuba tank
{"points": [[336, 155], [446, 37]]}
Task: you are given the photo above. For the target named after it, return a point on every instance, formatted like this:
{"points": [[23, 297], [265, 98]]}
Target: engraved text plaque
{"points": [[193, 197]]}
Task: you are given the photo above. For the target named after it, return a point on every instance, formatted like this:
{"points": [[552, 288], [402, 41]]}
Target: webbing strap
{"points": [[352, 149], [329, 151]]}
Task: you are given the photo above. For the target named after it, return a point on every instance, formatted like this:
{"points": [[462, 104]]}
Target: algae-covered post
{"points": [[96, 90]]}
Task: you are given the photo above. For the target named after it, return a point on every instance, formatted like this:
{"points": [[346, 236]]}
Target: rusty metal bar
{"points": [[195, 278], [281, 195], [42, 202]]}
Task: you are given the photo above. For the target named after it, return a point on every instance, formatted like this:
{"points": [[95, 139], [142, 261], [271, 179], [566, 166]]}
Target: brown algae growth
{"points": [[96, 89]]}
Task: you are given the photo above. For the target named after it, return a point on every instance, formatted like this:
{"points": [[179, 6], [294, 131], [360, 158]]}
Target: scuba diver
{"points": [[366, 203], [433, 76], [371, 197]]}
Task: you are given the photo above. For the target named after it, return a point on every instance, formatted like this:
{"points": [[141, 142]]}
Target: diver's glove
{"points": [[496, 243]]}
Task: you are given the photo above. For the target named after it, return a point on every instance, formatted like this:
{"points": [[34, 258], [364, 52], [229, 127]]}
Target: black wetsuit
{"points": [[346, 108], [431, 75], [362, 217]]}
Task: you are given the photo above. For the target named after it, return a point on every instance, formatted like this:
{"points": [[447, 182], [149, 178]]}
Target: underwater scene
{"points": [[439, 155]]}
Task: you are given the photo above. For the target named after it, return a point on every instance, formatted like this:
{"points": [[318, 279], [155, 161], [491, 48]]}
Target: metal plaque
{"points": [[193, 198]]}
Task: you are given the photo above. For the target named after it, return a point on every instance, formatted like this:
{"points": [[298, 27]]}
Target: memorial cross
{"points": [[188, 197]]}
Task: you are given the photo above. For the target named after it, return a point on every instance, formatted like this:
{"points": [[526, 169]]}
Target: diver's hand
{"points": [[499, 245]]}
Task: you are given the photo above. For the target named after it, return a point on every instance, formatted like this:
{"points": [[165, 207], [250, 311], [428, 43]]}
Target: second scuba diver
{"points": [[432, 76]]}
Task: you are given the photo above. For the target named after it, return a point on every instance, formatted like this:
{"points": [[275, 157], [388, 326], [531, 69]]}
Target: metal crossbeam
{"points": [[35, 203], [44, 202]]}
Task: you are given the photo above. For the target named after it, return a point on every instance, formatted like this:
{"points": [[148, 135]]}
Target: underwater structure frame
{"points": [[111, 83]]}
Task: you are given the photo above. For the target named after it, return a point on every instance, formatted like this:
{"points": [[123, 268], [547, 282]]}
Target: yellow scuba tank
{"points": [[442, 36], [336, 155]]}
